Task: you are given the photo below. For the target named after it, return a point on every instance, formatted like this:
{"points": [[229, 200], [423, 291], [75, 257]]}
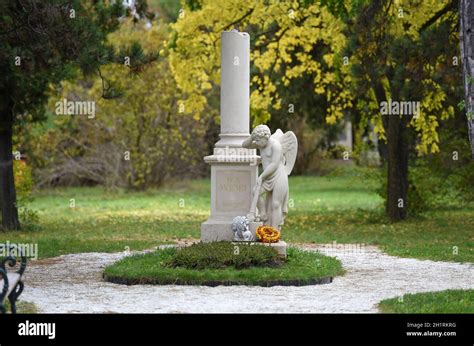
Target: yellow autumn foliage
{"points": [[195, 50], [284, 35]]}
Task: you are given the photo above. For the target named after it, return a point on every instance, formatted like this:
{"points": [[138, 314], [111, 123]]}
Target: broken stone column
{"points": [[233, 168]]}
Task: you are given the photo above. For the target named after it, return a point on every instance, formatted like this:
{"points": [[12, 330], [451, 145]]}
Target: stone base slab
{"points": [[280, 247]]}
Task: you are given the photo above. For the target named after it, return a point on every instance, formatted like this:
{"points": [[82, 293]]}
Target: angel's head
{"points": [[260, 135]]}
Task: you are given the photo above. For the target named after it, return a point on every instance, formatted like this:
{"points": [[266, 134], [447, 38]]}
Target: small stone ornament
{"points": [[240, 227]]}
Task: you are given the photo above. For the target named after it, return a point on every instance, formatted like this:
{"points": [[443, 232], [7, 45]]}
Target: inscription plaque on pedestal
{"points": [[233, 190]]}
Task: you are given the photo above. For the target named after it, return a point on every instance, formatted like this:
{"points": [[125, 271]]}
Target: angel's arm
{"points": [[248, 143]]}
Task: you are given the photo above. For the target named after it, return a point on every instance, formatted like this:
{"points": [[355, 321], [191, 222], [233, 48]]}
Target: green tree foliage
{"points": [[43, 43], [135, 141], [403, 52]]}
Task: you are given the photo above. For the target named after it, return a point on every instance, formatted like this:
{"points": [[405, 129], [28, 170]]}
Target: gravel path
{"points": [[73, 284]]}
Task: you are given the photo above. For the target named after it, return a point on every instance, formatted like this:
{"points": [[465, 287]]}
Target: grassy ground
{"points": [[322, 210], [344, 209], [449, 301], [112, 221], [302, 268], [22, 307]]}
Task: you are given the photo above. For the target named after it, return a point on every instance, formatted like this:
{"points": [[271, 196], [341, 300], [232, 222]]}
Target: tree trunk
{"points": [[7, 184], [397, 183], [466, 16]]}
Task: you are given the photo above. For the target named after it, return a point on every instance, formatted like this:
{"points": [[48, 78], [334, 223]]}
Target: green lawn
{"points": [[444, 302], [340, 208]]}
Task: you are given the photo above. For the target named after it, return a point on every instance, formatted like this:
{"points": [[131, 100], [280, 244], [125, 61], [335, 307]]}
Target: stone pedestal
{"points": [[231, 193], [233, 169]]}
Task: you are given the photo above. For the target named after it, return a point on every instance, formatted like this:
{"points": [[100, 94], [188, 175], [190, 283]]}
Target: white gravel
{"points": [[73, 284]]}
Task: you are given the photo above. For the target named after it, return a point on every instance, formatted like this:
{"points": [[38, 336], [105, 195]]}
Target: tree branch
{"points": [[449, 7], [237, 20]]}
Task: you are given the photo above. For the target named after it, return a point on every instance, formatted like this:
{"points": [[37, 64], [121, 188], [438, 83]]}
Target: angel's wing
{"points": [[289, 145]]}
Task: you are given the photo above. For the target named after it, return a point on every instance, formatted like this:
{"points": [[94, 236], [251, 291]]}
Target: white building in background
{"points": [[371, 155]]}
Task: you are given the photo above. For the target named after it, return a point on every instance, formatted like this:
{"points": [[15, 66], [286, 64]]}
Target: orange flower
{"points": [[268, 234]]}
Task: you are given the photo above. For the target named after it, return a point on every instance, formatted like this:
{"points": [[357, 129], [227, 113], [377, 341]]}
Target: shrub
{"points": [[217, 255], [23, 180], [338, 151], [24, 185]]}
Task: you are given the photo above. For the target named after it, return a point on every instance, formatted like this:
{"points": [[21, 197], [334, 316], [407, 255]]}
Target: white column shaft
{"points": [[235, 81]]}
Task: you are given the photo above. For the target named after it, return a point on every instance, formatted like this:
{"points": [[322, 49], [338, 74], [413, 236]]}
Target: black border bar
{"points": [[314, 329]]}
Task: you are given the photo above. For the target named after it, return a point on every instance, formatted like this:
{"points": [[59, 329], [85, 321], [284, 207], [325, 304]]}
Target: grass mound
{"points": [[224, 254], [159, 268]]}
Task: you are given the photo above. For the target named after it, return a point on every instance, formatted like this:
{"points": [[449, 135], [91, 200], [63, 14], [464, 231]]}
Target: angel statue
{"points": [[270, 196]]}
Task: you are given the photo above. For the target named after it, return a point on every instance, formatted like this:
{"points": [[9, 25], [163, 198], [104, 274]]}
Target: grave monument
{"points": [[241, 200]]}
